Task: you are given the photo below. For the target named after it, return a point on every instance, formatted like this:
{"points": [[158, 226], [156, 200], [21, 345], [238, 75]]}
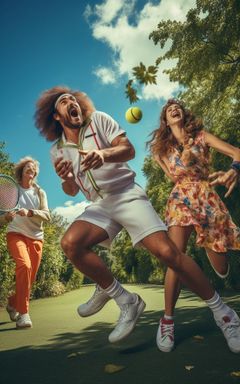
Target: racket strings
{"points": [[8, 194]]}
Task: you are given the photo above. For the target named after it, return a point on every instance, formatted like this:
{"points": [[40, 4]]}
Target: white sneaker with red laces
{"points": [[230, 327], [165, 335]]}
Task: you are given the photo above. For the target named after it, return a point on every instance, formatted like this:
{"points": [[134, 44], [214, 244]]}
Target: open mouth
{"points": [[176, 114], [73, 112]]}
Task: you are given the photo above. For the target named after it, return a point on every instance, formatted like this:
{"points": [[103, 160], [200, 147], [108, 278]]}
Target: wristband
{"points": [[236, 166]]}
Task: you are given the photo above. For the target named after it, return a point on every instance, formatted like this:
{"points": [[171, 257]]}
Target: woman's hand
{"points": [[9, 216], [228, 179], [22, 212]]}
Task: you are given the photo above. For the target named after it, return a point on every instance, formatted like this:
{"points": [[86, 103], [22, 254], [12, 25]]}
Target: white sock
{"points": [[119, 294], [168, 317], [219, 308]]}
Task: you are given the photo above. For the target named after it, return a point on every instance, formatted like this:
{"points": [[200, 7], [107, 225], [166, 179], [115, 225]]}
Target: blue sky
{"points": [[87, 45]]}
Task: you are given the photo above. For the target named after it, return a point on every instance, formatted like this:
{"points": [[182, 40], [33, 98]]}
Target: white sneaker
{"points": [[94, 304], [231, 330], [13, 314], [130, 312], [24, 321], [165, 335]]}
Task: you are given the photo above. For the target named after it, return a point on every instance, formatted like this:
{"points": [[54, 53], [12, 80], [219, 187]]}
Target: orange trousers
{"points": [[27, 254]]}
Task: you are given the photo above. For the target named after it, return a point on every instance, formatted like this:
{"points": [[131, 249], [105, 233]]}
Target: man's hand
{"points": [[228, 179], [64, 168], [92, 159]]}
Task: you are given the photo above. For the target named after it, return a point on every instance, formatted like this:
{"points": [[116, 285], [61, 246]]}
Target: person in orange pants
{"points": [[27, 254], [25, 238]]}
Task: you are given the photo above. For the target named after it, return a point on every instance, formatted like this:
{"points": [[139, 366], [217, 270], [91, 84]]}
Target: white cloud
{"points": [[71, 210], [109, 10], [106, 75], [126, 31]]}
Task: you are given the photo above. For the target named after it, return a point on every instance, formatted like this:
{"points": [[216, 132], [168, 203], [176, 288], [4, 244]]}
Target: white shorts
{"points": [[129, 209]]}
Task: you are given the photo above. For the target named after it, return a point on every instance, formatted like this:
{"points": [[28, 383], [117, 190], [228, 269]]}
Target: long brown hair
{"points": [[44, 120], [162, 140]]}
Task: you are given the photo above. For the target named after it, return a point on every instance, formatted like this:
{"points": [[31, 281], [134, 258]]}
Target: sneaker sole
{"points": [[140, 310], [87, 314], [163, 349], [24, 327], [234, 350]]}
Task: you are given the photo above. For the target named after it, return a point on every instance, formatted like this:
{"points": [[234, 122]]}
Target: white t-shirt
{"points": [[98, 133], [29, 199]]}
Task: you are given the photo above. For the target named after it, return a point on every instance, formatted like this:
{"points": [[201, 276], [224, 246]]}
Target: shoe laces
{"points": [[123, 313], [231, 327], [167, 329], [94, 296]]}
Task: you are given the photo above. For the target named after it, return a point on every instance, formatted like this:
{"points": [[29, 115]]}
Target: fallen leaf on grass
{"points": [[235, 373], [72, 355], [198, 337], [189, 367], [112, 368]]}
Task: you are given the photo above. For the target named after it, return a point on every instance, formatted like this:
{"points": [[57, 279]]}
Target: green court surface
{"points": [[64, 348]]}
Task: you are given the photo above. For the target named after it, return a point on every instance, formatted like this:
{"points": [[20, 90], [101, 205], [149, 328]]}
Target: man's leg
{"points": [[77, 243], [192, 276]]}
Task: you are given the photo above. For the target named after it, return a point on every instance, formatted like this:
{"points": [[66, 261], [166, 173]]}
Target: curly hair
{"points": [[18, 168], [162, 140], [44, 115]]}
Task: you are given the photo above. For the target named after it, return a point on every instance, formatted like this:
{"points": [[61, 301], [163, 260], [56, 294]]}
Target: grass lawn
{"points": [[64, 348]]}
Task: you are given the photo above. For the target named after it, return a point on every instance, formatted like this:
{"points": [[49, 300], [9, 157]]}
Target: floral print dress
{"points": [[194, 202]]}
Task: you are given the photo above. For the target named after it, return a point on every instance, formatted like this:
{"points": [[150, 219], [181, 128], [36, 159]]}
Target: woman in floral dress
{"points": [[181, 147]]}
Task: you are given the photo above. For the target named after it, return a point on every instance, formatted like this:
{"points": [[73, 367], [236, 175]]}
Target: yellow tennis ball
{"points": [[133, 115]]}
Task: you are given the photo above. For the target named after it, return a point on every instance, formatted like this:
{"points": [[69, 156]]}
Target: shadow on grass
{"points": [[80, 358]]}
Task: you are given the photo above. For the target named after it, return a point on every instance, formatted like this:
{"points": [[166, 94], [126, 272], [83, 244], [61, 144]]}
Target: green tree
{"points": [[6, 167], [132, 265], [6, 264], [49, 280]]}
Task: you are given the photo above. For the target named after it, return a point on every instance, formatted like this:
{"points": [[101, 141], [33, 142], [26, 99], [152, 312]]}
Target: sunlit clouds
{"points": [[125, 29], [71, 210]]}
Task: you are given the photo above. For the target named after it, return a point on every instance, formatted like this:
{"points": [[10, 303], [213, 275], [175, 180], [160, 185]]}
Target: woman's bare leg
{"points": [[180, 236], [219, 262]]}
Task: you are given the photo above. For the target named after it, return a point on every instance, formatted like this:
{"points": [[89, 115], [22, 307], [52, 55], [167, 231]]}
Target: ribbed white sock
{"points": [[119, 294], [219, 308], [168, 317]]}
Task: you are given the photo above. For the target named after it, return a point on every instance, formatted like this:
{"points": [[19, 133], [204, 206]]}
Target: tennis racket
{"points": [[9, 194]]}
